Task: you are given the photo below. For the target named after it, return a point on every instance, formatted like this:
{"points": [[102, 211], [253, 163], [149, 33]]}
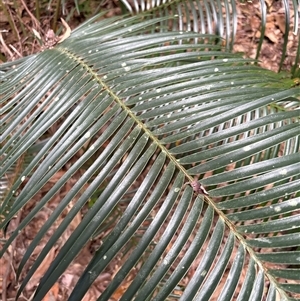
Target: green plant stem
{"points": [[9, 19], [55, 18]]}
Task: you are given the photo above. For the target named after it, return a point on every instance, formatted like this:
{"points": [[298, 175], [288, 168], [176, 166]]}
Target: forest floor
{"points": [[16, 45]]}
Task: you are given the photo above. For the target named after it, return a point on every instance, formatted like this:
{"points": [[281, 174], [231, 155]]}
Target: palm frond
{"points": [[147, 112], [219, 17]]}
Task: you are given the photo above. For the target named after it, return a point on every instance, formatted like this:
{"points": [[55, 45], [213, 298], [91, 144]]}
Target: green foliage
{"points": [[139, 111]]}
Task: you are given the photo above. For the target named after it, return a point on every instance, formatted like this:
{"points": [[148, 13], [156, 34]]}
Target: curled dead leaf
{"points": [[66, 33]]}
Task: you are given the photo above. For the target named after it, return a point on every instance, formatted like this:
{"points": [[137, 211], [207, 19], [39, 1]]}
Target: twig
{"points": [[10, 266], [15, 50], [5, 46], [37, 23]]}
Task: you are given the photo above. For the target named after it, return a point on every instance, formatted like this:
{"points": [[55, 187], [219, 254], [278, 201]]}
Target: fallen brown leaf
{"points": [[39, 273], [52, 295], [66, 33]]}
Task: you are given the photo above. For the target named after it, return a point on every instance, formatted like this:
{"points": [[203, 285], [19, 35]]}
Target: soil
{"points": [[16, 45]]}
